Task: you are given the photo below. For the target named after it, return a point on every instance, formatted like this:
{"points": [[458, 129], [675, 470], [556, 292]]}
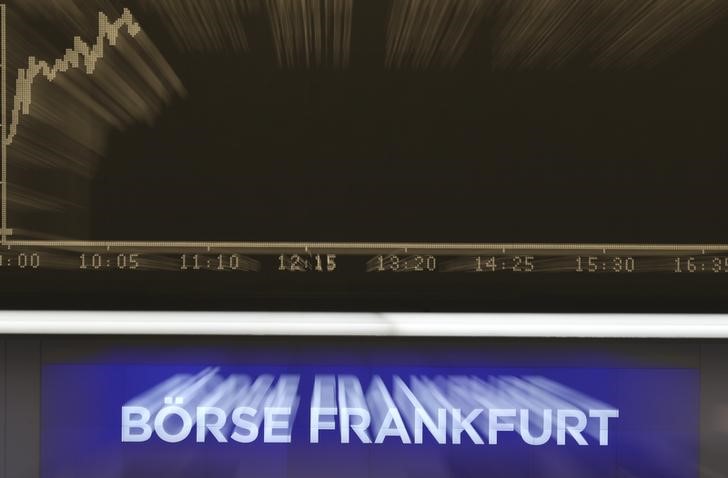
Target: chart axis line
{"points": [[3, 92], [379, 246]]}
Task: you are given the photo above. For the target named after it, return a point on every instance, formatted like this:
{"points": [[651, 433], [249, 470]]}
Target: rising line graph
{"points": [[82, 52], [90, 53]]}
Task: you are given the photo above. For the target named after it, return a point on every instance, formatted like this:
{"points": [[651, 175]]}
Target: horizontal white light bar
{"points": [[385, 324]]}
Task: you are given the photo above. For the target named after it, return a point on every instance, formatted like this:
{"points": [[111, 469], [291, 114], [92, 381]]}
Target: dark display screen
{"points": [[353, 153]]}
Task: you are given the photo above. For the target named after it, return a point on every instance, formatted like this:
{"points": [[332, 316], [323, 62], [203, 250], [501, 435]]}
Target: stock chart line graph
{"points": [[462, 154], [85, 57], [81, 52]]}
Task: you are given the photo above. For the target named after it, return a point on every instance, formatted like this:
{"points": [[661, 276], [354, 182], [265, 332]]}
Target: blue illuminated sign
{"points": [[235, 408], [352, 415]]}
